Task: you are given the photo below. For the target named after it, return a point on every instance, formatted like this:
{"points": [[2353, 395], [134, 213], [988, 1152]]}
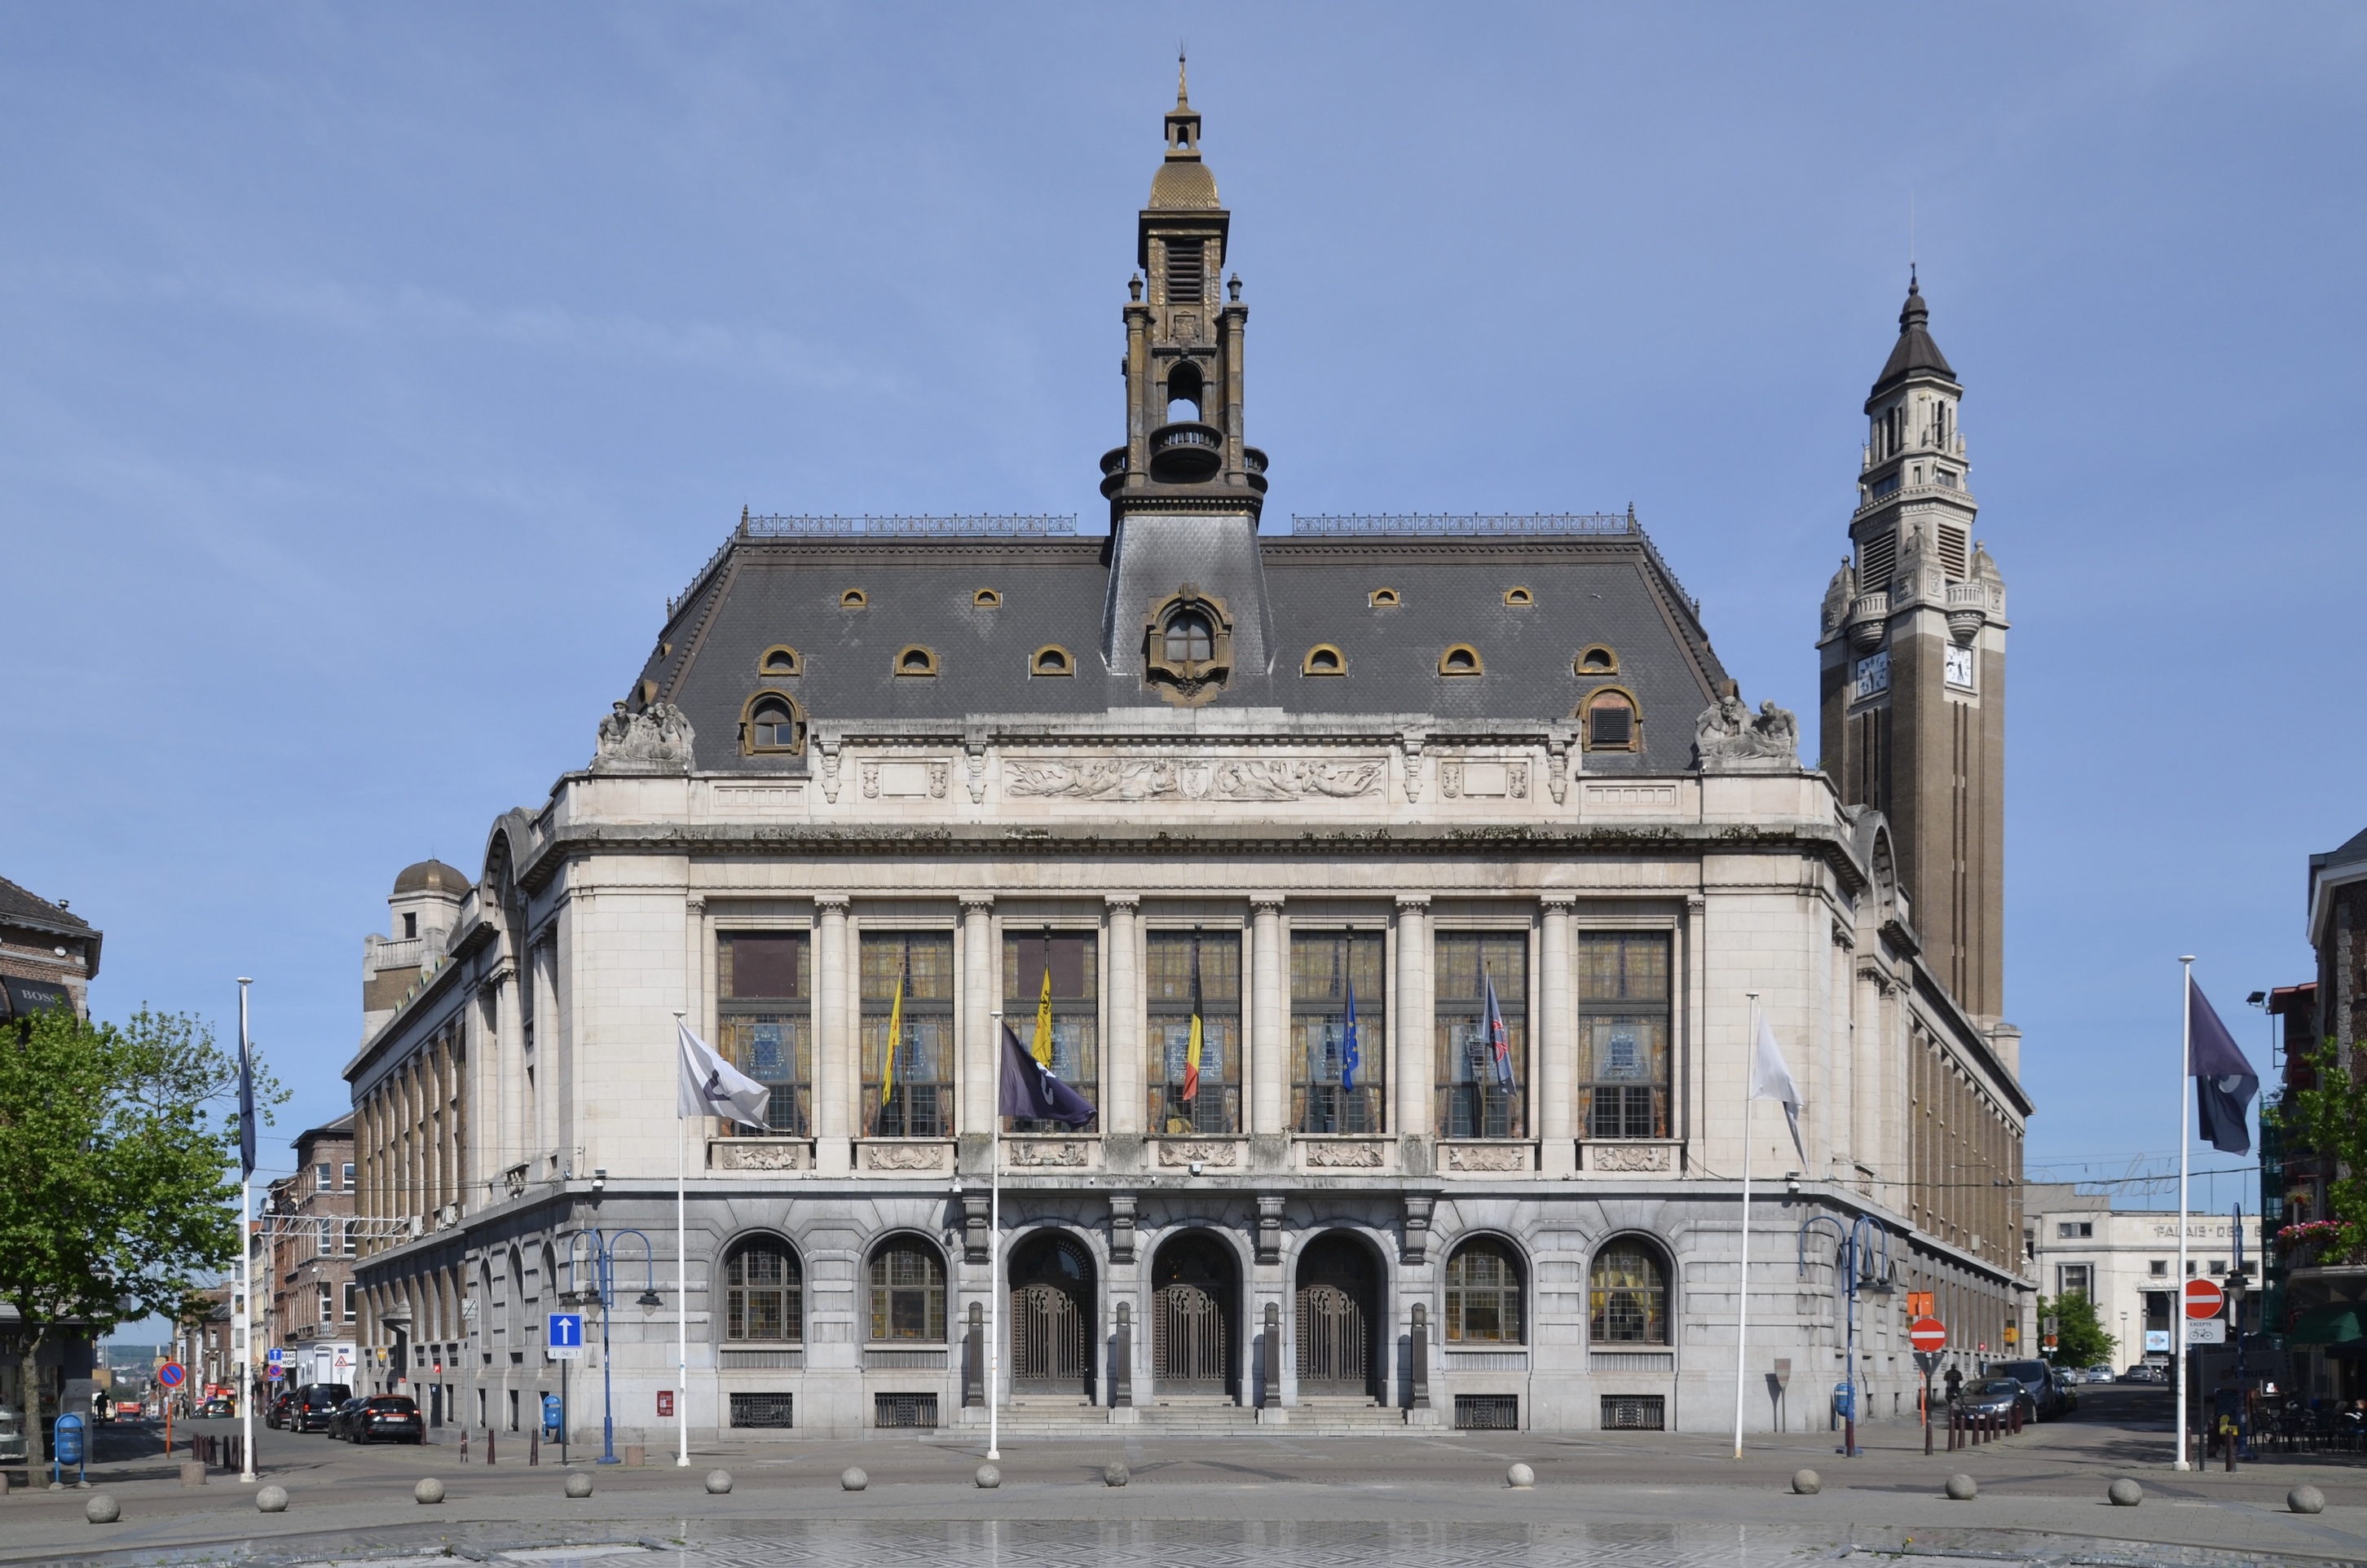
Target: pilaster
{"points": [[1557, 1041], [833, 1087]]}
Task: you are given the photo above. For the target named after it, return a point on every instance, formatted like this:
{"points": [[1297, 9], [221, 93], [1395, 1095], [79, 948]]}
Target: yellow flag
{"points": [[1041, 1049], [895, 1035]]}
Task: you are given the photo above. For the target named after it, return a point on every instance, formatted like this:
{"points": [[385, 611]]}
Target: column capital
{"points": [[695, 903], [1267, 903], [1412, 903], [975, 903], [1558, 903], [1127, 901], [831, 903]]}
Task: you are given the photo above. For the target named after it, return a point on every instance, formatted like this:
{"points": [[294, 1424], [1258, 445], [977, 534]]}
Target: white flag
{"points": [[712, 1086], [1770, 1079]]}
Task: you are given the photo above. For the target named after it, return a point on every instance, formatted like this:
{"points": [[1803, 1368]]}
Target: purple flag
{"points": [[1030, 1089], [2224, 1081]]}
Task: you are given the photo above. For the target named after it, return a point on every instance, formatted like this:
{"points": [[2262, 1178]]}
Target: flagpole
{"points": [[994, 1257], [246, 1258], [681, 1290], [1742, 1294], [2177, 1301]]}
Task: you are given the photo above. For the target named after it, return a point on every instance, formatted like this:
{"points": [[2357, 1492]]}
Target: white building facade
{"points": [[883, 786]]}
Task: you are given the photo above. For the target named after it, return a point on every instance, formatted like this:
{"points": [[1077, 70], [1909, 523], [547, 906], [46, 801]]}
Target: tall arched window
{"points": [[763, 1292], [1483, 1294], [908, 1293], [1628, 1296]]}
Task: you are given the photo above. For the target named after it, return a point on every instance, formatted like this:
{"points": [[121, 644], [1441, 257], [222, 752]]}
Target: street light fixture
{"points": [[1861, 1258], [603, 1260]]}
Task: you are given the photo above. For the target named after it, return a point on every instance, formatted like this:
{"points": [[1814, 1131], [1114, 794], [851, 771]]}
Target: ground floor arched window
{"points": [[1627, 1294]]}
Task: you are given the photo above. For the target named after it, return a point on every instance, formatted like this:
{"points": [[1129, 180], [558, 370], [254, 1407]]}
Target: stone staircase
{"points": [[1189, 1418]]}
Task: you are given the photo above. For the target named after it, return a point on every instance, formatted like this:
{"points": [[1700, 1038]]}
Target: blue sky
{"points": [[375, 373]]}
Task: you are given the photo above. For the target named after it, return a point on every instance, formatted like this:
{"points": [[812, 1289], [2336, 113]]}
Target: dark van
{"points": [[314, 1404]]}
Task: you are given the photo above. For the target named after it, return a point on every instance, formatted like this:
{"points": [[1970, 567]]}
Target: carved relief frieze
{"points": [[1189, 778], [1487, 1157], [1198, 1151], [1343, 1157], [908, 1156], [1630, 1157], [1484, 778], [760, 1153], [1047, 1152]]}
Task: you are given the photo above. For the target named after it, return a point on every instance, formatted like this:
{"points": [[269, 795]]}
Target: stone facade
{"points": [[1421, 774]]}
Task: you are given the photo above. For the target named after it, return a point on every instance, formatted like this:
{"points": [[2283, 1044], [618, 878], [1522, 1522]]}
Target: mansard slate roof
{"points": [[763, 593], [1915, 353]]}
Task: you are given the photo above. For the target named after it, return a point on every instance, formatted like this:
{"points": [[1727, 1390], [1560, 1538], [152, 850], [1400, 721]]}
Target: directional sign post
{"points": [[564, 1341], [2202, 1298], [1930, 1336]]}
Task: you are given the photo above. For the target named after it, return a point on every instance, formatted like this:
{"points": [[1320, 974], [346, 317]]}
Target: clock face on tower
{"points": [[1960, 667]]}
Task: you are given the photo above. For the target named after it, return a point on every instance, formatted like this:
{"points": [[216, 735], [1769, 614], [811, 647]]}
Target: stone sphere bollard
{"points": [[719, 1482], [852, 1480], [1115, 1474], [578, 1484], [1963, 1488], [2124, 1493], [428, 1491], [2305, 1500], [1807, 1483], [102, 1509], [988, 1477], [271, 1500], [1520, 1478]]}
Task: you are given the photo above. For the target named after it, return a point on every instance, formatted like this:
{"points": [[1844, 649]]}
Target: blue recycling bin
{"points": [[550, 1417], [66, 1448]]}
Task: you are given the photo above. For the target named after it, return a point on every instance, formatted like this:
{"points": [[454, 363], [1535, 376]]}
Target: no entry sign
{"points": [[2202, 1298], [1927, 1333]]}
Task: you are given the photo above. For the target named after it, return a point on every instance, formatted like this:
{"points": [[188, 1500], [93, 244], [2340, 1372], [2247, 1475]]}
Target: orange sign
{"points": [[1920, 1303]]}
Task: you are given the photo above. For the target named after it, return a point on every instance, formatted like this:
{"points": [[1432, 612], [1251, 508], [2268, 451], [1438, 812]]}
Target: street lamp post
{"points": [[603, 1261], [1862, 1255]]}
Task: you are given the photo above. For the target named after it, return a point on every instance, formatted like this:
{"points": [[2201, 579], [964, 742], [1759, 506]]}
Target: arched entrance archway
{"points": [[1338, 1317], [1193, 1327], [1051, 1315]]}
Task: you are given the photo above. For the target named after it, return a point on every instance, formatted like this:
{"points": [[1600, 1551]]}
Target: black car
{"points": [[316, 1405], [1999, 1397], [2045, 1399], [275, 1411], [383, 1417]]}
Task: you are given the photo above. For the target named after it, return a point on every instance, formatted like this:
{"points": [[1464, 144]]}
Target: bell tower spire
{"points": [[1913, 667], [1186, 490]]}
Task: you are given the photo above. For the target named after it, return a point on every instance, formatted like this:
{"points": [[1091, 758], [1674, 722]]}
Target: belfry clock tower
{"points": [[1913, 669]]}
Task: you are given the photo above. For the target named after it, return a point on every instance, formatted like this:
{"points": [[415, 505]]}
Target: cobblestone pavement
{"points": [[1438, 1499]]}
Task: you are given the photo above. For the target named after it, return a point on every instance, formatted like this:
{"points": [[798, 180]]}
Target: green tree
{"points": [[115, 1192], [2329, 1121], [2080, 1337]]}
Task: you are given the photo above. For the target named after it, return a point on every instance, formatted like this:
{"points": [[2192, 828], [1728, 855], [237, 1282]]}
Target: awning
{"points": [[2334, 1324], [34, 995]]}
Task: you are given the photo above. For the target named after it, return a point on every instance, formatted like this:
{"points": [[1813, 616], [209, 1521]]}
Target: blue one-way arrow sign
{"points": [[564, 1339]]}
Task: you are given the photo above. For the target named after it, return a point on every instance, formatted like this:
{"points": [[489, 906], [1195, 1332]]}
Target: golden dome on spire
{"points": [[1182, 181]]}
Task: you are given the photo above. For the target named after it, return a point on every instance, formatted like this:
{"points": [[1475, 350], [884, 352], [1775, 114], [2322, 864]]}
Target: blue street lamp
{"points": [[1861, 1257], [603, 1259]]}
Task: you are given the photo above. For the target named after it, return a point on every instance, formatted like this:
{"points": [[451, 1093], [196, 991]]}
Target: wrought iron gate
{"points": [[1332, 1342], [1188, 1340], [1047, 1337]]}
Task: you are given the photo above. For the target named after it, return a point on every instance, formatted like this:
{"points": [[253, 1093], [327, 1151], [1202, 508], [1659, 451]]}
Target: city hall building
{"points": [[1332, 802]]}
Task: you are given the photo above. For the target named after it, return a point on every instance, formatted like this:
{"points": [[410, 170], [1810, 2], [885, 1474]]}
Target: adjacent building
{"points": [[2125, 1260], [1402, 890], [309, 1215], [47, 955]]}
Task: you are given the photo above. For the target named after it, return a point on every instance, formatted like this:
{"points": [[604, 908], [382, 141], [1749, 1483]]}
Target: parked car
{"points": [[313, 1405], [384, 1418], [1999, 1397], [275, 1410], [341, 1418], [2046, 1397], [2067, 1388], [219, 1405]]}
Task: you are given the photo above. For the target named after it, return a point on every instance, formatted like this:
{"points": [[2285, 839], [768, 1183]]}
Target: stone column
{"points": [[1122, 1090], [1412, 1066], [833, 1086], [1557, 1042], [509, 1076], [1269, 1016], [978, 994]]}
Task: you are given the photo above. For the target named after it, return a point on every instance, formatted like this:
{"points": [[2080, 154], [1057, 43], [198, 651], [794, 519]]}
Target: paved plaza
{"points": [[1440, 1501]]}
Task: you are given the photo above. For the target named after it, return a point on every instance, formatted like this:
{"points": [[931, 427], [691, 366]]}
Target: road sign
{"points": [[171, 1375], [2202, 1298], [274, 1372], [1922, 1304], [276, 1355], [1927, 1333], [563, 1338], [2206, 1331], [1927, 1362], [2156, 1340]]}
